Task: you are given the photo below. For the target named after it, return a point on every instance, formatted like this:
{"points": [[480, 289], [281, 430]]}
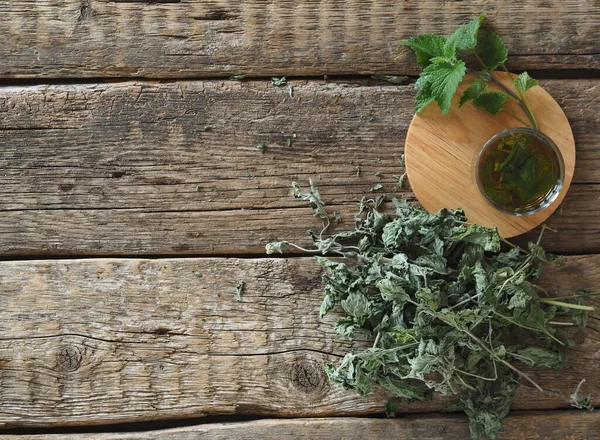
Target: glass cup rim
{"points": [[552, 194]]}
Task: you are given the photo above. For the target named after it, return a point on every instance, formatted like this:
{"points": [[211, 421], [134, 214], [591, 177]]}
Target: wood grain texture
{"points": [[100, 341], [191, 38], [442, 153], [127, 168], [556, 425]]}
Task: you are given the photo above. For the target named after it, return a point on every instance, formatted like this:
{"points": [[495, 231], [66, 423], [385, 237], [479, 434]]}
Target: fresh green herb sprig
{"points": [[444, 64], [448, 310]]}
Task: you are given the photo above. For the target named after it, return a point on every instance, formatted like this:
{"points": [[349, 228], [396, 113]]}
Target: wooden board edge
{"points": [[572, 425]]}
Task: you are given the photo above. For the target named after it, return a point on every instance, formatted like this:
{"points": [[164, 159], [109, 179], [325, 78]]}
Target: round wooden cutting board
{"points": [[441, 154]]}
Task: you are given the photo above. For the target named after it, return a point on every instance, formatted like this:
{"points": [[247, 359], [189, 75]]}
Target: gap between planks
{"points": [[367, 79], [549, 425]]}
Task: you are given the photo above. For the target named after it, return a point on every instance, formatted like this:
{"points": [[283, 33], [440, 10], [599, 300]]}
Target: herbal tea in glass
{"points": [[520, 171]]}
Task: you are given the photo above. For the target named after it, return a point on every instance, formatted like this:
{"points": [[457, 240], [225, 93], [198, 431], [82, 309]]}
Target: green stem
{"points": [[565, 324], [480, 60], [516, 98], [567, 305], [512, 321], [508, 364], [500, 84], [544, 227], [541, 289], [465, 384], [300, 248], [571, 296], [516, 117], [490, 379], [377, 340], [525, 103], [530, 113], [520, 249], [524, 264], [497, 294], [518, 356], [490, 352], [367, 354], [464, 301]]}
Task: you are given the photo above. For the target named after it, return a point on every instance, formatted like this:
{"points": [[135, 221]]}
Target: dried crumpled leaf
{"points": [[449, 311]]}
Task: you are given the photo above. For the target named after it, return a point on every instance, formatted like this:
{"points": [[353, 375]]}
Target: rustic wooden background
{"points": [[114, 197]]}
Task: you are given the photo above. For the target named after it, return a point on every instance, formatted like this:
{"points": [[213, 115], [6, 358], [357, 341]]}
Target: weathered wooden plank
{"points": [[117, 340], [556, 425], [106, 169], [102, 38]]}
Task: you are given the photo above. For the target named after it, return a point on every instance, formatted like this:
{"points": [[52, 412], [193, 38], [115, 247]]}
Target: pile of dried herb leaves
{"points": [[448, 310]]}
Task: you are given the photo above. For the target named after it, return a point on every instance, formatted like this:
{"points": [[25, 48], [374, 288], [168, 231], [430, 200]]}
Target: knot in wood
{"points": [[307, 376], [69, 358]]}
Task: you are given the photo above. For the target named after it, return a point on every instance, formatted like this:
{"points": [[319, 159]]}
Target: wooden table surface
{"points": [[114, 197]]}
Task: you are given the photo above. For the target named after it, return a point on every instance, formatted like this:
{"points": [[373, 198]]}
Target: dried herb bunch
{"points": [[448, 310]]}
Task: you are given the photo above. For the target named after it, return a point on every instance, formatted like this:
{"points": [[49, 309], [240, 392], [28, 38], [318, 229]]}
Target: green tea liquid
{"points": [[518, 171]]}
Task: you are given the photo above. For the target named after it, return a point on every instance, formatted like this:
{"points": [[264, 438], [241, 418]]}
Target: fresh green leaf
{"points": [[465, 37], [443, 78], [491, 50], [424, 98], [449, 52], [530, 173], [427, 47], [524, 82], [492, 102], [473, 91]]}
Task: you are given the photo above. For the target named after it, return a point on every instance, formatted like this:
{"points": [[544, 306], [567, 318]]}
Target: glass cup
{"points": [[558, 168]]}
